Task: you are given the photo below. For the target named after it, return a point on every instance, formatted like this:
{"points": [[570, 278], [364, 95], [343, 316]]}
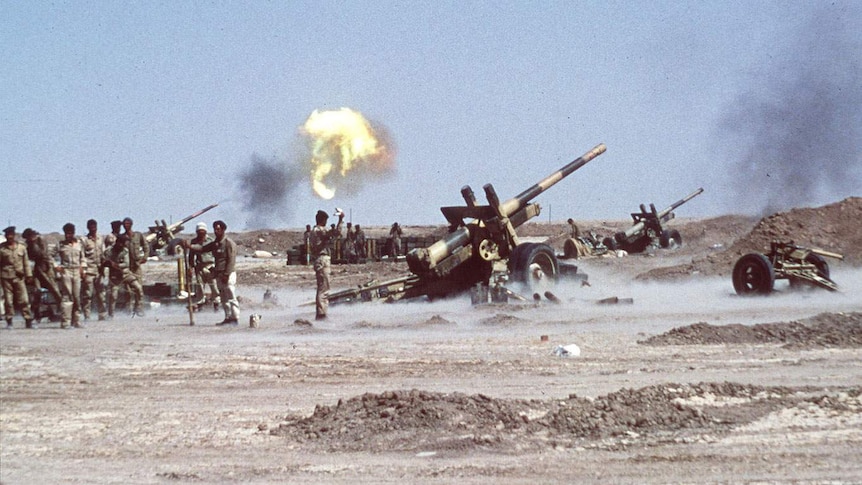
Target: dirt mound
{"points": [[823, 330], [834, 227], [417, 420]]}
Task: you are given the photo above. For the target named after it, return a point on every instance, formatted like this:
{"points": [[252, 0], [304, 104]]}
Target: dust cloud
{"points": [[798, 126]]}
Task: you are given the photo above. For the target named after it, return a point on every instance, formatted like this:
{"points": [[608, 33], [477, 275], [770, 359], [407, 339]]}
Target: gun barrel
{"points": [[680, 202], [518, 202], [196, 214]]}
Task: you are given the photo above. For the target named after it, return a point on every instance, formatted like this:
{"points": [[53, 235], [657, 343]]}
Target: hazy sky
{"points": [[155, 109]]}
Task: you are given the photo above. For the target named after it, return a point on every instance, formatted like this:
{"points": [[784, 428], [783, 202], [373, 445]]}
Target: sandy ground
{"points": [[155, 400]]}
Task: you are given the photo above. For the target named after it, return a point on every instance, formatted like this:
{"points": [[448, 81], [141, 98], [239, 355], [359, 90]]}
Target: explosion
{"points": [[344, 150]]}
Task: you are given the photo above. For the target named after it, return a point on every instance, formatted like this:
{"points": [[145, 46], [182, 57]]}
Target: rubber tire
{"points": [[526, 255], [670, 239], [173, 245], [819, 263], [570, 248], [753, 275]]}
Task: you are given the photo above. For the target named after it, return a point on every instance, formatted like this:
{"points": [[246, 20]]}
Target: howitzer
{"points": [[162, 235], [755, 273], [466, 256], [647, 229]]}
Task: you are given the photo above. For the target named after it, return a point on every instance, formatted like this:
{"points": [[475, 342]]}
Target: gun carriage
{"points": [[755, 273], [647, 230], [481, 238]]}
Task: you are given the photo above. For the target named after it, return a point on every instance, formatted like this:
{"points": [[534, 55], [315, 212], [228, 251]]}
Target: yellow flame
{"points": [[342, 143]]}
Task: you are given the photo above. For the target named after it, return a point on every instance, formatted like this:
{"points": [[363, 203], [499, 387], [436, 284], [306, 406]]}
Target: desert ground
{"points": [[682, 381]]}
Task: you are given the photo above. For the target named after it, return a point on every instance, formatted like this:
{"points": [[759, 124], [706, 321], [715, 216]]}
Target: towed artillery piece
{"points": [[755, 273], [647, 230], [472, 252], [163, 236]]}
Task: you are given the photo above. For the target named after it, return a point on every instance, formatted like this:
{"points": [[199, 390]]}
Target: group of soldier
{"points": [[73, 272]]}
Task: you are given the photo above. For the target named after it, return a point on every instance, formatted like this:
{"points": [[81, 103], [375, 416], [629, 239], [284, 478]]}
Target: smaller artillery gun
{"points": [[481, 238], [755, 273], [647, 230], [162, 235]]}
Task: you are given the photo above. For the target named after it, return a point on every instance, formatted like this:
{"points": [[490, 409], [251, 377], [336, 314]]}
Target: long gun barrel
{"points": [[662, 216], [163, 233], [517, 209]]}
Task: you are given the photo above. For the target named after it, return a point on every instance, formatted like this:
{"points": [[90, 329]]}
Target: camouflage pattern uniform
{"points": [[14, 273], [203, 264], [43, 270], [92, 283], [139, 251], [71, 269], [320, 242], [120, 274], [224, 252]]}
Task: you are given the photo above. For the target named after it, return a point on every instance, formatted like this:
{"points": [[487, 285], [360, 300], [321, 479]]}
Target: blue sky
{"points": [[153, 109]]}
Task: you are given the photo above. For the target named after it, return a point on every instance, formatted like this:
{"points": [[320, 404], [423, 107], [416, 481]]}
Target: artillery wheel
{"points": [[534, 263], [670, 239], [753, 274], [175, 247], [570, 248]]}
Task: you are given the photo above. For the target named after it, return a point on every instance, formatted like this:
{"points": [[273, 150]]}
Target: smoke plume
{"points": [[799, 128], [265, 186]]}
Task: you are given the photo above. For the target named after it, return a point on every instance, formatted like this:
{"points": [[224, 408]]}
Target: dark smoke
{"points": [[265, 186], [799, 130]]}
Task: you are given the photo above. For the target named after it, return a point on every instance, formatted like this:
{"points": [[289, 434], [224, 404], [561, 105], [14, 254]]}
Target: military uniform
{"points": [[72, 266], [14, 272], [204, 265], [138, 253], [120, 274], [224, 271], [319, 243], [91, 283], [395, 235], [43, 270], [359, 237]]}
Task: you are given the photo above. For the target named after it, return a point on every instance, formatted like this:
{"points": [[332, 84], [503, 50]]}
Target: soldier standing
{"points": [[43, 269], [119, 274], [359, 237], [70, 252], [14, 273], [321, 238], [203, 264], [92, 283], [306, 238], [224, 252], [395, 236], [349, 247], [139, 250]]}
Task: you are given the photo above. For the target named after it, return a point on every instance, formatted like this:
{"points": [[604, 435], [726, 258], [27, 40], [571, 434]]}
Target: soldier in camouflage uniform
{"points": [[320, 242], [203, 264], [70, 253], [92, 285], [43, 270], [14, 273], [224, 252], [139, 250], [119, 274]]}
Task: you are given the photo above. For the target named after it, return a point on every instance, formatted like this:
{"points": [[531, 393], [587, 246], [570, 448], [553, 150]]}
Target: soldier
{"points": [[203, 264], [120, 274], [359, 237], [576, 233], [395, 236], [321, 238], [14, 273], [92, 283], [348, 248], [70, 271], [139, 250], [224, 251], [43, 270]]}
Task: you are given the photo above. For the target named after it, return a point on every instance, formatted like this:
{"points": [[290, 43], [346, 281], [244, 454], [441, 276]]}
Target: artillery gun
{"points": [[755, 273], [161, 235], [647, 230], [480, 237]]}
